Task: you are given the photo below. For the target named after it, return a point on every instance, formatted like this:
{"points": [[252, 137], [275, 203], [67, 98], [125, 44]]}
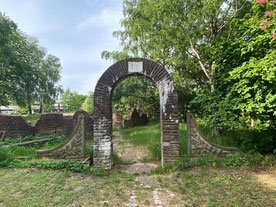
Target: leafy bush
{"points": [[254, 141], [3, 154], [248, 140]]}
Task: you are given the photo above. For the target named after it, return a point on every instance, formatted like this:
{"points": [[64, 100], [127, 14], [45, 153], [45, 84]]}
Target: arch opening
{"points": [[102, 113], [135, 103]]}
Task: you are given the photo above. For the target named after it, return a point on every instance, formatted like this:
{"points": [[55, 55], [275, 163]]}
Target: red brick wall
{"points": [[116, 117], [53, 123], [15, 126]]}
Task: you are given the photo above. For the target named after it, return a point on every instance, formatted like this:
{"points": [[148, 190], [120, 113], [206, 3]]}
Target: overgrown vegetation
{"points": [[54, 139], [136, 92], [67, 165], [231, 160], [247, 140], [222, 61], [149, 136], [11, 150], [27, 73]]}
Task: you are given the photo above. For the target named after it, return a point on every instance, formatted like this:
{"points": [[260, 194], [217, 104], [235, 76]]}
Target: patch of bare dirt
{"points": [[139, 167], [267, 178]]}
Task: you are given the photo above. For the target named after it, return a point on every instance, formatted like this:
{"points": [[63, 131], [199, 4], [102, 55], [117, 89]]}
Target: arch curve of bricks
{"points": [[102, 113]]}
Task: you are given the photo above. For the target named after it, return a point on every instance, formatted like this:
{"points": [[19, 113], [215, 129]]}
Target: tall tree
{"points": [[7, 27], [48, 90], [87, 105], [178, 34], [245, 73], [72, 101], [26, 74]]}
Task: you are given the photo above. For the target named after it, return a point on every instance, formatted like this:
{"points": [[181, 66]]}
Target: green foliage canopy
{"points": [[136, 92], [88, 103], [27, 73], [178, 35], [244, 75], [72, 101]]}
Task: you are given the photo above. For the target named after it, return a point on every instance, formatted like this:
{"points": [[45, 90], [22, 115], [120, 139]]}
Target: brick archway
{"points": [[102, 113]]}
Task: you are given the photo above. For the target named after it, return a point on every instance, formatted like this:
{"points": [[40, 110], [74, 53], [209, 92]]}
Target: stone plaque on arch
{"points": [[102, 112]]}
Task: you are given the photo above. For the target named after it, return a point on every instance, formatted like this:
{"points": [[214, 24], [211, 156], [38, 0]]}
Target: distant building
{"points": [[11, 109], [8, 109]]}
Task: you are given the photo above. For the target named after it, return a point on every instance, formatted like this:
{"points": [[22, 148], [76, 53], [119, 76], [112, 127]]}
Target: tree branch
{"points": [[234, 15], [199, 60]]}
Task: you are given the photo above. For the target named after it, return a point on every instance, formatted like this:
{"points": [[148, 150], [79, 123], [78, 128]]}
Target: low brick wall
{"points": [[68, 124], [50, 124], [15, 126]]}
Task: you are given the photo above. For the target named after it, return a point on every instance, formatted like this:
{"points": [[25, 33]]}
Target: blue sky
{"points": [[76, 31]]}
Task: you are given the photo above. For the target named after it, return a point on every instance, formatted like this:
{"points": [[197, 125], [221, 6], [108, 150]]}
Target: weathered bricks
{"points": [[103, 113], [15, 126], [52, 123]]}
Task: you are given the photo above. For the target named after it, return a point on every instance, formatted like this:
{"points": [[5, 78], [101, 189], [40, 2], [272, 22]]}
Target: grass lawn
{"points": [[34, 187], [195, 187], [149, 136], [236, 180]]}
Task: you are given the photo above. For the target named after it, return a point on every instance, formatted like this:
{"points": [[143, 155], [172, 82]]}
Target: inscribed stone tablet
{"points": [[135, 67]]}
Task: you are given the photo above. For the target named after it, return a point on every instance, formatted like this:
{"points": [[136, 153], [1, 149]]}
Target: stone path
{"points": [[156, 198], [143, 183]]}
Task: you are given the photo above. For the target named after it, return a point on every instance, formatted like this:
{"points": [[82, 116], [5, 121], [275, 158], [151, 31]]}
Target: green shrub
{"points": [[3, 154], [263, 142], [248, 140]]}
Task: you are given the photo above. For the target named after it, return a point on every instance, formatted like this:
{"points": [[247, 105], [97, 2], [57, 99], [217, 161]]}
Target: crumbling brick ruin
{"points": [[135, 118], [51, 124], [117, 119], [15, 126]]}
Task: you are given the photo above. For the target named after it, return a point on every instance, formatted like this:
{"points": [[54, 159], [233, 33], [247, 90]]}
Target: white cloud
{"points": [[78, 45], [106, 18]]}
